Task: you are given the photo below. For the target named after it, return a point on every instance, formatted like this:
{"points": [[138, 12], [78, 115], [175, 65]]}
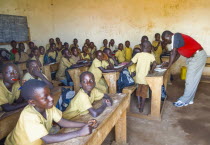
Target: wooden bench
{"points": [[112, 116], [111, 80], [9, 119], [129, 90]]}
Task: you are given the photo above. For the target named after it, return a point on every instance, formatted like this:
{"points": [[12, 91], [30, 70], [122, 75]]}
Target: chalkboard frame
{"points": [[29, 36]]}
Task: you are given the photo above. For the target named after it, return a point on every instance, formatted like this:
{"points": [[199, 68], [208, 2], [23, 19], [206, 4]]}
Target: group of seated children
{"points": [[34, 90]]}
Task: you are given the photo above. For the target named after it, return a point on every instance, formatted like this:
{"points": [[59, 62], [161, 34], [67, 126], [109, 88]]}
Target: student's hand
{"points": [[107, 102], [164, 65], [93, 123], [86, 130]]}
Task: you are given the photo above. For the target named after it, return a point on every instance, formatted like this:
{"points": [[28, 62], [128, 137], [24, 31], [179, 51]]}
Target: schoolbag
{"points": [[124, 80]]}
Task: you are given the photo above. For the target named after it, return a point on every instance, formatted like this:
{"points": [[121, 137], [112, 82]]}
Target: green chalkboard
{"points": [[13, 28]]}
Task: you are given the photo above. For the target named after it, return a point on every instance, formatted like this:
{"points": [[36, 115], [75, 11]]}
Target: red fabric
{"points": [[14, 51], [190, 46]]}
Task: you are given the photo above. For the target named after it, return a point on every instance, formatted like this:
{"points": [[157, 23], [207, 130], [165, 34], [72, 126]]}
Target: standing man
{"points": [[196, 58]]}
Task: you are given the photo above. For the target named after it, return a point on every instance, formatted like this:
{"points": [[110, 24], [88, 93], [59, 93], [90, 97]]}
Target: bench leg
{"points": [[121, 129]]}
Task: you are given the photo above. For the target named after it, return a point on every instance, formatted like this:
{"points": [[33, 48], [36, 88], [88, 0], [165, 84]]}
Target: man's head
{"points": [[31, 66], [51, 40], [127, 44], [21, 47], [74, 51], [36, 52], [157, 37], [99, 55], [10, 73], [57, 40], [41, 50], [31, 45], [144, 38], [65, 52], [146, 46], [112, 42], [167, 36], [13, 43], [108, 52], [120, 46], [75, 41], [105, 42], [37, 94], [87, 81], [66, 45]]}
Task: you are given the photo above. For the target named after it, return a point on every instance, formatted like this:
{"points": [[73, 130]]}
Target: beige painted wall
{"points": [[118, 19]]}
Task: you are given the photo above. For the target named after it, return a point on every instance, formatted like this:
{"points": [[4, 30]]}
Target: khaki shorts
{"points": [[142, 90]]}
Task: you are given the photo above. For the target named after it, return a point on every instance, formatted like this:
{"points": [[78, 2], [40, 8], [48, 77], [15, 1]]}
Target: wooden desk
{"points": [[112, 116], [155, 82], [47, 69], [111, 80], [9, 119], [21, 68], [75, 73]]}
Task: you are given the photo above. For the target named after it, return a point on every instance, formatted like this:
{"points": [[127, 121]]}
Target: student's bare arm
{"points": [[66, 123], [129, 64], [153, 67], [11, 107], [115, 61], [109, 70], [96, 112], [108, 98], [41, 76], [53, 138]]}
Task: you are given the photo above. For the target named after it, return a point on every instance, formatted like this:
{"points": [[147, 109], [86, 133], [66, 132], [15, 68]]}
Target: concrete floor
{"points": [[179, 126]]}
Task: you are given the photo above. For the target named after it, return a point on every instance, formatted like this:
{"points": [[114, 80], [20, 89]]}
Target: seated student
{"points": [[143, 62], [157, 48], [85, 55], [21, 56], [82, 103], [37, 117], [76, 57], [59, 51], [66, 45], [30, 48], [87, 43], [42, 53], [9, 89], [92, 49], [143, 39], [51, 54], [120, 54], [75, 43], [105, 44], [97, 69], [128, 51], [132, 68], [112, 45], [14, 49], [51, 40], [58, 43], [34, 72], [111, 61], [36, 56]]}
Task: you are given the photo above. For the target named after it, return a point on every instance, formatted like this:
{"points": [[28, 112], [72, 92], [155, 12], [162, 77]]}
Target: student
{"points": [[14, 49], [21, 56], [76, 57], [157, 48], [97, 69], [51, 54], [34, 72], [9, 89], [82, 103], [36, 56], [75, 43], [92, 49], [65, 62], [30, 48], [51, 40], [105, 44], [42, 53], [112, 45], [87, 43], [111, 60], [36, 119], [58, 43], [143, 39], [85, 55], [120, 54], [128, 51], [66, 45], [59, 51], [143, 61]]}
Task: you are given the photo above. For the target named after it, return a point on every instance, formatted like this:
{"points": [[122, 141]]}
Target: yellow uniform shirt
{"points": [[24, 57], [120, 54], [72, 45], [6, 96], [59, 56], [81, 103], [158, 52], [128, 54], [64, 63], [87, 57], [41, 59], [32, 126], [52, 54], [100, 82], [28, 51], [47, 46], [106, 63], [132, 68], [92, 51], [143, 61], [75, 59]]}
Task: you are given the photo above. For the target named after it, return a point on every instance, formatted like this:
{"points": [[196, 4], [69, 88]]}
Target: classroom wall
{"points": [[118, 19]]}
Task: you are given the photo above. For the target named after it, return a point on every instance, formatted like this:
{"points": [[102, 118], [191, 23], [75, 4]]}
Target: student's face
{"points": [[57, 40], [53, 47], [32, 67], [112, 41], [87, 41], [67, 54], [36, 53], [84, 49], [157, 37], [127, 44], [22, 47], [42, 50], [75, 41], [105, 42], [120, 46], [31, 45], [66, 45], [100, 56], [14, 44], [42, 98], [75, 52], [88, 82], [51, 40], [109, 53], [92, 45], [144, 39], [10, 73]]}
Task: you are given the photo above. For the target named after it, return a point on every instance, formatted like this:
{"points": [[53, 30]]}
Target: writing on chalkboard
{"points": [[13, 28]]}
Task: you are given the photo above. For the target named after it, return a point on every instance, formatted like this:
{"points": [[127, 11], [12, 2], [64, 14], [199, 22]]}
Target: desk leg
{"points": [[120, 129], [155, 85]]}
